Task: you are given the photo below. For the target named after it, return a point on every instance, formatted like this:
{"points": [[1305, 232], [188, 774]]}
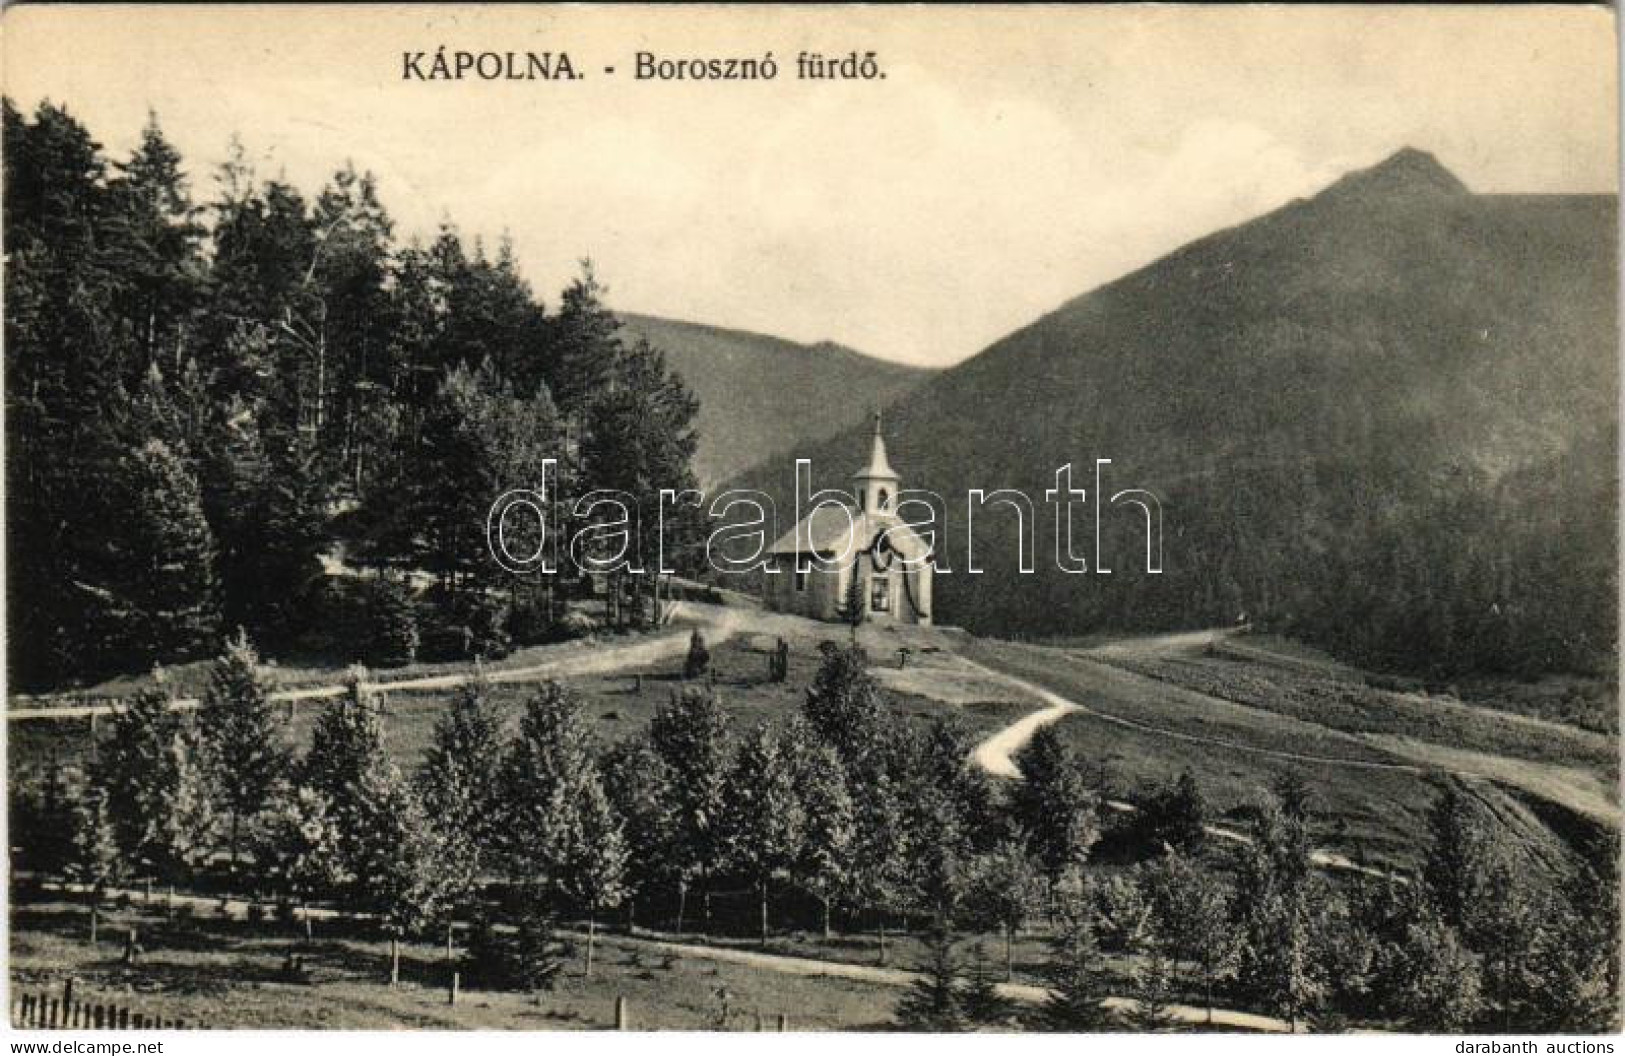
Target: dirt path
{"points": [[1156, 644], [1574, 788], [899, 977], [770, 962], [715, 623], [995, 754]]}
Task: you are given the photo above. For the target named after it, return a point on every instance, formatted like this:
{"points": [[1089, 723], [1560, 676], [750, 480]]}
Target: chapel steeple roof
{"points": [[878, 467]]}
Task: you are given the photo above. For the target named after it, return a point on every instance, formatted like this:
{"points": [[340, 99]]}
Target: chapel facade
{"points": [[870, 543]]}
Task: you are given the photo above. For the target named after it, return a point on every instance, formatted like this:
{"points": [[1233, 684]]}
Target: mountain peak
{"points": [[1407, 172]]}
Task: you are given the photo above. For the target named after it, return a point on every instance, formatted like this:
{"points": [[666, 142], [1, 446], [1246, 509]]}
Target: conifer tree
{"points": [[1280, 900], [232, 471], [879, 849], [391, 854], [132, 769], [844, 707], [461, 789], [347, 324], [537, 958], [763, 825], [392, 622], [935, 1002], [189, 825], [66, 362], [1174, 815], [585, 343], [639, 439], [826, 863], [690, 734], [297, 843], [1153, 994], [546, 766], [854, 607], [156, 247], [1458, 856], [1003, 887], [347, 737], [592, 875], [564, 842], [292, 531], [1589, 935], [936, 853], [386, 846], [43, 823], [943, 758], [241, 736], [477, 439], [640, 788], [698, 661], [1191, 918], [1280, 965], [96, 862], [1433, 978], [980, 998], [153, 592], [1074, 973], [160, 793], [1055, 805]]}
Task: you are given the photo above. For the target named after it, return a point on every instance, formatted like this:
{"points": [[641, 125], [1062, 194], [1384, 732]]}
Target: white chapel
{"points": [[892, 564]]}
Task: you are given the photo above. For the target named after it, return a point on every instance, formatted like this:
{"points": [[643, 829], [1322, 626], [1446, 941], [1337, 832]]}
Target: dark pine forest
{"points": [[212, 386]]}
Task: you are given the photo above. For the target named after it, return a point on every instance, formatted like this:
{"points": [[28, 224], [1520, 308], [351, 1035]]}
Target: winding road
{"points": [[717, 624]]}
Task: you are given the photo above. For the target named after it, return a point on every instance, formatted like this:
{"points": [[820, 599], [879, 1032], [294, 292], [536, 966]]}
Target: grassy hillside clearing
{"points": [[1373, 789], [622, 680], [1144, 713]]}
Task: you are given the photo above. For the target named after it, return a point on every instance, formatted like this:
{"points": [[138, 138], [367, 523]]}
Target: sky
{"points": [[1011, 158]]}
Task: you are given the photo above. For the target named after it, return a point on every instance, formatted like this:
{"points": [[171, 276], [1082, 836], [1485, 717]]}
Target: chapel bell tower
{"points": [[876, 483]]}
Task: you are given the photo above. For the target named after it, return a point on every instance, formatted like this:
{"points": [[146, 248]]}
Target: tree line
{"points": [[884, 824], [207, 393]]}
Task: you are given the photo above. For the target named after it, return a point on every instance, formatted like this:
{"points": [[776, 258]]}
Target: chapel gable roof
{"points": [[827, 530]]}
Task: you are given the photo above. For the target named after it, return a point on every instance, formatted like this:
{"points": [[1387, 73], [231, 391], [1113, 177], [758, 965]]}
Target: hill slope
{"points": [[761, 396], [1382, 417]]}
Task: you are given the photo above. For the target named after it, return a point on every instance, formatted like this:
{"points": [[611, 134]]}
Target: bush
{"points": [[577, 624], [1173, 815], [337, 618], [392, 624], [1120, 912], [485, 622], [698, 661], [980, 998], [529, 958], [529, 622], [935, 1002], [468, 626]]}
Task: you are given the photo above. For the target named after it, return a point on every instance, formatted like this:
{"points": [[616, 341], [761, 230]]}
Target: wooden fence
{"points": [[45, 1012]]}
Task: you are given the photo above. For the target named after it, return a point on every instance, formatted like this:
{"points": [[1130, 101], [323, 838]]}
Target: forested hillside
{"points": [[762, 396], [1382, 418], [210, 382]]}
